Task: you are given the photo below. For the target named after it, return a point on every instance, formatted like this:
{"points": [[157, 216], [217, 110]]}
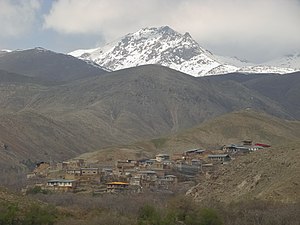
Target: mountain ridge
{"points": [[116, 108], [47, 65], [167, 47]]}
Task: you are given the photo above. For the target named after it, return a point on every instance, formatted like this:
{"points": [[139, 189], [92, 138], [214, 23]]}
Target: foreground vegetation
{"points": [[12, 214], [146, 209]]}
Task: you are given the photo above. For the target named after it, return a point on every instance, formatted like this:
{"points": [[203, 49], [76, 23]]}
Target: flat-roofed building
{"points": [[117, 186], [61, 185]]}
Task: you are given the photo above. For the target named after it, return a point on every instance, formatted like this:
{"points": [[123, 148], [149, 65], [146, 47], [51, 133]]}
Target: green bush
{"points": [[148, 215], [8, 214], [209, 217], [38, 215], [179, 211]]}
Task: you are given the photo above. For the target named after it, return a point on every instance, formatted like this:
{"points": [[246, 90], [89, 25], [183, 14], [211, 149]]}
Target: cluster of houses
{"points": [[160, 173]]}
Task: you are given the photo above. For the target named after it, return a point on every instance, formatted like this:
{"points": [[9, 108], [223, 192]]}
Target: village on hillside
{"points": [[162, 173]]}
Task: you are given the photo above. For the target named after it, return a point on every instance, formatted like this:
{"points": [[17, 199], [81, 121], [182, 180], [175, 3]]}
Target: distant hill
{"points": [[285, 90], [47, 65]]}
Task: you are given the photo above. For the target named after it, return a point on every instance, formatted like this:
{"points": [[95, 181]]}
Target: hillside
{"points": [[47, 65], [33, 136], [8, 77], [237, 126], [282, 89], [144, 102], [270, 174], [7, 197], [230, 128], [27, 137], [60, 121]]}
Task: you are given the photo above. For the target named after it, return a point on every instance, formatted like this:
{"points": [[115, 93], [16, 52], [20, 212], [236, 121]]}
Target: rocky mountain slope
{"points": [[166, 47], [270, 174]]}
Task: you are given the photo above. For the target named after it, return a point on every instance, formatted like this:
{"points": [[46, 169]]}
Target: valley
{"points": [[151, 129]]}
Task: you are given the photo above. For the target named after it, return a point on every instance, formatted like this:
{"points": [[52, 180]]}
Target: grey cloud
{"points": [[17, 17]]}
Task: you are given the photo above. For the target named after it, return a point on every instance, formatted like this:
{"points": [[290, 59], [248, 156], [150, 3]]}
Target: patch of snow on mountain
{"points": [[233, 61], [266, 69], [80, 52], [288, 61], [5, 50]]}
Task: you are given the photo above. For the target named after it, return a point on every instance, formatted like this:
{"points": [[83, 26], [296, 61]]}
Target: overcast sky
{"points": [[257, 30]]}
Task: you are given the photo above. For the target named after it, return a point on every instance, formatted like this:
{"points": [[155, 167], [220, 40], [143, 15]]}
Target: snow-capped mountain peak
{"points": [[163, 46]]}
